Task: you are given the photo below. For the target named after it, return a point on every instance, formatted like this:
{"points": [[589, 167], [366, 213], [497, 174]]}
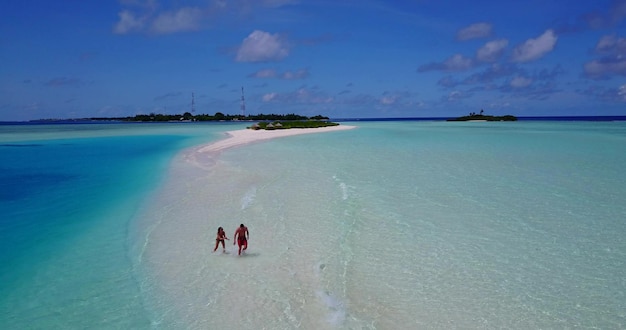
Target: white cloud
{"points": [[179, 20], [128, 23], [395, 98], [606, 43], [533, 49], [621, 92], [300, 96], [265, 73], [520, 82], [458, 62], [183, 19], [287, 75], [455, 96], [611, 44], [474, 31], [221, 4], [614, 16], [311, 97], [388, 100], [269, 97], [598, 69], [292, 75], [613, 62], [262, 46], [492, 50], [176, 16]]}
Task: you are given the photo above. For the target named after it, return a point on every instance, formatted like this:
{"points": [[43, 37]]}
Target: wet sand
{"points": [[246, 136]]}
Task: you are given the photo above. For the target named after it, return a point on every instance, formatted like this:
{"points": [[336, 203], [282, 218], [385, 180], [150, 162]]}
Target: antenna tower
{"points": [[243, 104]]}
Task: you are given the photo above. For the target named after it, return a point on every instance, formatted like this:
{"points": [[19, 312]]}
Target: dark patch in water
{"points": [[16, 187], [21, 145]]}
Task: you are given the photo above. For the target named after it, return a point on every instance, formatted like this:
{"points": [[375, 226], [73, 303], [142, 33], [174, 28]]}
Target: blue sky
{"points": [[342, 59]]}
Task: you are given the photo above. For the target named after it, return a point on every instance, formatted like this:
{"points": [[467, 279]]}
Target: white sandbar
{"points": [[246, 136]]}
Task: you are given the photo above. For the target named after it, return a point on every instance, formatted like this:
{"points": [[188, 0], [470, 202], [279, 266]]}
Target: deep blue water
{"points": [[67, 194], [66, 177], [528, 118]]}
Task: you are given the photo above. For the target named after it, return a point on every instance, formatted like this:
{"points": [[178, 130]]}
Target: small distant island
{"points": [[480, 117]]}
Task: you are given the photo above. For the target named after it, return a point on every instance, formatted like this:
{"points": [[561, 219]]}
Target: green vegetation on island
{"points": [[264, 122], [480, 117], [187, 116], [275, 125]]}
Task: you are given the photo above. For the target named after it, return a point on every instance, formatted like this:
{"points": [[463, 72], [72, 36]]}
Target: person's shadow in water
{"points": [[247, 254], [234, 252]]}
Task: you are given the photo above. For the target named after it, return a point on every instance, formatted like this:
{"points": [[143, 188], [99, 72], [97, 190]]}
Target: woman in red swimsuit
{"points": [[221, 236]]}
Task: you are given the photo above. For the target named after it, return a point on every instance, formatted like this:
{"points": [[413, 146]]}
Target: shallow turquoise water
{"points": [[389, 225], [398, 224]]}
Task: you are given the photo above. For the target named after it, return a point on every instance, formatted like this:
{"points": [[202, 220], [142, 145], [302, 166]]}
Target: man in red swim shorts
{"points": [[241, 237]]}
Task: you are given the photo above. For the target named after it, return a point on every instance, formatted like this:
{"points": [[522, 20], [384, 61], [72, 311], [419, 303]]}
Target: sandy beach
{"points": [[246, 136], [316, 210]]}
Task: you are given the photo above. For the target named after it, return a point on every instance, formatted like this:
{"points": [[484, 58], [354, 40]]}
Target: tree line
{"points": [[218, 116]]}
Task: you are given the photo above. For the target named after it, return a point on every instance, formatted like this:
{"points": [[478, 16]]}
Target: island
{"points": [[265, 121], [480, 117], [275, 125], [187, 116]]}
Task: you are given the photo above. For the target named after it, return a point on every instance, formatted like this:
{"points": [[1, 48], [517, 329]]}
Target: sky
{"points": [[341, 58]]}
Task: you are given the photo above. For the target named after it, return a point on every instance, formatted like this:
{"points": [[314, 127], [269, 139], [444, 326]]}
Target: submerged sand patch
{"points": [[277, 283]]}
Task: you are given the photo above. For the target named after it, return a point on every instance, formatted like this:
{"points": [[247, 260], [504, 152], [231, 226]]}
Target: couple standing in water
{"points": [[241, 238]]}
